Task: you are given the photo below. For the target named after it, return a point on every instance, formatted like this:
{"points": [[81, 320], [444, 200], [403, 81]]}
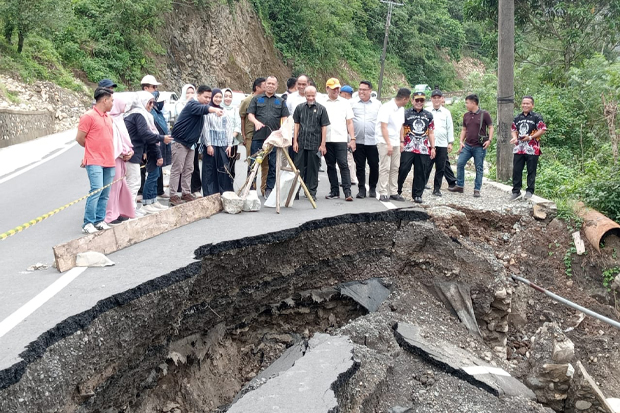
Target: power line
{"points": [[391, 5]]}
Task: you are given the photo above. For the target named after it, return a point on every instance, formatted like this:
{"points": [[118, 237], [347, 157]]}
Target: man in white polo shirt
{"points": [[390, 142], [340, 137]]}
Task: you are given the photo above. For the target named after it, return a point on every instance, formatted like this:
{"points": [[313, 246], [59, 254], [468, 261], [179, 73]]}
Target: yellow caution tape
{"points": [[28, 224]]}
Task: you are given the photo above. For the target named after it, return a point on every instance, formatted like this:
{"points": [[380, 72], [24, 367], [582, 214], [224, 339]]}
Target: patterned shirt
{"points": [[417, 125], [527, 125], [311, 119], [217, 131]]}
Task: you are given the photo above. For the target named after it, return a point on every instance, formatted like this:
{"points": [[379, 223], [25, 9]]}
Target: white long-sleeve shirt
{"points": [[444, 128]]}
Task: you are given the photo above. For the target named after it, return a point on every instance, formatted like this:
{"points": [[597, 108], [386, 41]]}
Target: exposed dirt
{"points": [[210, 331]]}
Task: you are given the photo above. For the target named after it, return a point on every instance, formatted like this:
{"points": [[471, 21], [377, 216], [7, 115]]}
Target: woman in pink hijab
{"points": [[120, 205]]}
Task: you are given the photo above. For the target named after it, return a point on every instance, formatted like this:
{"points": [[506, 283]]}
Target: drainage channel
{"points": [[353, 313]]}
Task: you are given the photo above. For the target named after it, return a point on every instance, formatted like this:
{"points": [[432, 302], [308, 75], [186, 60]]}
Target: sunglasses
{"points": [[419, 100]]}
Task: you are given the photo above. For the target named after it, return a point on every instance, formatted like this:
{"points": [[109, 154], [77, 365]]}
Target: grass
{"points": [[12, 97]]}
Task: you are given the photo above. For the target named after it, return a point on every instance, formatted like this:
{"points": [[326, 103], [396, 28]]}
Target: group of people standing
{"points": [[353, 132]]}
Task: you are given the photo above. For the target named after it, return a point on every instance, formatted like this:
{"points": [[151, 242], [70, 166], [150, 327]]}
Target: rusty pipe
{"points": [[596, 226], [567, 303]]}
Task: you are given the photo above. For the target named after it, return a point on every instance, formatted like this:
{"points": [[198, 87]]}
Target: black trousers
{"points": [[308, 163], [420, 166], [363, 154], [337, 153], [442, 169], [518, 162], [215, 175]]}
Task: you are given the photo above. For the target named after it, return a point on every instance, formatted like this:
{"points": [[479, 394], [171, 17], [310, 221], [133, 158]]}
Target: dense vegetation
{"points": [[566, 56]]}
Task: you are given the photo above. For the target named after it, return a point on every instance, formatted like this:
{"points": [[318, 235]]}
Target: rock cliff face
{"points": [[217, 45]]}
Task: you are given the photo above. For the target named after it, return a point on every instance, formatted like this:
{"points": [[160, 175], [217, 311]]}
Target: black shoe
{"points": [[427, 187], [117, 221], [515, 195], [297, 196], [372, 193], [361, 195], [417, 199], [398, 198], [267, 193], [384, 198], [528, 195], [333, 196], [437, 192]]}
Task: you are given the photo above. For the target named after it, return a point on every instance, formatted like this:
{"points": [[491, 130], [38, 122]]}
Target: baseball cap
{"points": [[418, 94], [333, 83], [149, 80], [106, 83], [346, 89], [436, 92]]}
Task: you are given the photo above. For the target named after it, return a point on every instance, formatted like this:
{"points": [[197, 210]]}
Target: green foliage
{"points": [[568, 260], [349, 35], [609, 275]]}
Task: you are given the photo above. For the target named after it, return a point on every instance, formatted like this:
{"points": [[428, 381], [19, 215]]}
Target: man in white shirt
{"points": [[340, 138], [444, 136], [299, 96], [365, 111], [390, 142]]}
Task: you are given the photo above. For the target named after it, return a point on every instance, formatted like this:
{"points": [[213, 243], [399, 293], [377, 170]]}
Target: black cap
{"points": [[436, 92], [106, 83], [419, 94]]}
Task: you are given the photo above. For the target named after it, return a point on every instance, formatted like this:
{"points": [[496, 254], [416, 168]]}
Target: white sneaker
{"points": [[149, 209], [159, 206], [102, 226], [139, 213], [197, 194], [89, 229]]}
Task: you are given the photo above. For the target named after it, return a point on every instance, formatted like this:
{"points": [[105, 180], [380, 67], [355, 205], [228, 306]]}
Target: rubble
{"points": [[585, 395], [551, 370], [231, 203]]}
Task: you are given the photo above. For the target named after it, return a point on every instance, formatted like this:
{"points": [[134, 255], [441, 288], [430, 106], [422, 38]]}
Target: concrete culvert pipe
{"points": [[596, 226]]}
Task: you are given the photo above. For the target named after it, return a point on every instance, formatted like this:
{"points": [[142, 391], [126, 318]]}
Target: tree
{"points": [[25, 16], [559, 34]]}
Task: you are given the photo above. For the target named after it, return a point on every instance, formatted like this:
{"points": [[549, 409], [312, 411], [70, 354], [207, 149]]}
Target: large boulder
{"points": [[252, 203]]}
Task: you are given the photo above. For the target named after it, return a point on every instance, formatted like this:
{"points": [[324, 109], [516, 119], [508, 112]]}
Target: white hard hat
{"points": [[149, 80]]}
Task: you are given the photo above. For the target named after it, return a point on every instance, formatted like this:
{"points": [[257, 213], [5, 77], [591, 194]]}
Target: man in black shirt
{"points": [[419, 143], [527, 129], [186, 132], [267, 112], [311, 122]]}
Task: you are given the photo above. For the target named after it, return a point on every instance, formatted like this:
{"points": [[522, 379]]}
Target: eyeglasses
{"points": [[419, 100]]}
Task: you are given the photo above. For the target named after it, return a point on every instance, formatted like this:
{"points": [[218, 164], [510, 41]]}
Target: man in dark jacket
{"points": [[186, 133]]}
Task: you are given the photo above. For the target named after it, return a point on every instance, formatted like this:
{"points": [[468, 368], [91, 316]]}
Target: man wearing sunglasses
{"points": [[419, 143]]}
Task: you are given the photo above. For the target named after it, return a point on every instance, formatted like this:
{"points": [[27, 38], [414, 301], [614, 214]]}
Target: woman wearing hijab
{"points": [[120, 204], [146, 141], [187, 93], [233, 114], [216, 145]]}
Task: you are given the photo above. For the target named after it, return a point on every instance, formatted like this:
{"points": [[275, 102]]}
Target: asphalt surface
{"points": [[40, 188]]}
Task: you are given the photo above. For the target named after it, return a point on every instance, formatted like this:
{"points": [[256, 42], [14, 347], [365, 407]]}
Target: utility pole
{"points": [[391, 5], [505, 87]]}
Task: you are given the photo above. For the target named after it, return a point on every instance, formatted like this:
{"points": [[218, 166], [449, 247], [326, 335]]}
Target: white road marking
{"points": [[388, 205], [39, 163], [31, 306], [476, 370]]}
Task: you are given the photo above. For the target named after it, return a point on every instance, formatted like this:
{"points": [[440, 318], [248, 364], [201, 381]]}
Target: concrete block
{"points": [[134, 231], [252, 202], [231, 203]]}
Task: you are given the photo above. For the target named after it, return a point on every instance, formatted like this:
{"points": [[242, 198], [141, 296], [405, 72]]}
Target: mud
{"points": [[190, 340]]}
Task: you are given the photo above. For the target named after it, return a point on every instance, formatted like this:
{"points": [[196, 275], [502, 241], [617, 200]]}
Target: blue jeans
{"points": [[468, 152], [149, 193], [96, 204], [271, 176]]}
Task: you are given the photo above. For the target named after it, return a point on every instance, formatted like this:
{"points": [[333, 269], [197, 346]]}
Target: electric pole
{"points": [[505, 87], [388, 19]]}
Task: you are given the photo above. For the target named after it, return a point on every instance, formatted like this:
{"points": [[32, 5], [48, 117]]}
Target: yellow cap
{"points": [[333, 83]]}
